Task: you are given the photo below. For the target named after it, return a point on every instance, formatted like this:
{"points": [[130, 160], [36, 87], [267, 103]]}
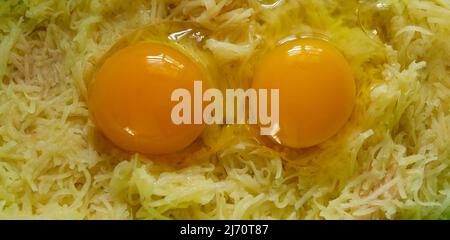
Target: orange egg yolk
{"points": [[130, 98], [316, 90]]}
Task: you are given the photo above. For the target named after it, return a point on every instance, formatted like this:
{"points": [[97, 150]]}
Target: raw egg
{"points": [[316, 90], [130, 98]]}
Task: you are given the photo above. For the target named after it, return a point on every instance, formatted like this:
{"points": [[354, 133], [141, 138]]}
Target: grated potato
{"points": [[390, 162]]}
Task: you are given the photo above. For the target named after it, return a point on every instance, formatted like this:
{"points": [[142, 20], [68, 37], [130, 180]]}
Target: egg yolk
{"points": [[316, 90], [130, 98]]}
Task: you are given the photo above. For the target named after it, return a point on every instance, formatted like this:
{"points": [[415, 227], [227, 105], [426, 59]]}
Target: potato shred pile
{"points": [[390, 162]]}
